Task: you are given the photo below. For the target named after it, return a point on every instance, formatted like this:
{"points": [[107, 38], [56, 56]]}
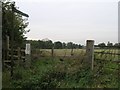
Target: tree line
{"points": [[108, 45], [39, 44], [49, 44]]}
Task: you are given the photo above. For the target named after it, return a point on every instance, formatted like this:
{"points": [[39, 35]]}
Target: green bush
{"points": [[47, 80]]}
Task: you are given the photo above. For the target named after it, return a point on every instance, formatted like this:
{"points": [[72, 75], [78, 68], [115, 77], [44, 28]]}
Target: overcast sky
{"points": [[72, 20]]}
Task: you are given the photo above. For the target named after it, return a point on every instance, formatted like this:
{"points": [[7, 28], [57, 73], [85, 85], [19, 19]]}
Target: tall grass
{"points": [[63, 72]]}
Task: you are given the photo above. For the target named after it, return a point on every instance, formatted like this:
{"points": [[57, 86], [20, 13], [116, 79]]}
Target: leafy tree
{"points": [[48, 44], [13, 21], [58, 45], [64, 45], [117, 45], [109, 44], [101, 45], [34, 44], [41, 44], [69, 45], [80, 46], [75, 46]]}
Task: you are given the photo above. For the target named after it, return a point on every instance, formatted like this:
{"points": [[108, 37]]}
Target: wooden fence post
{"points": [[90, 53], [72, 51], [52, 51], [28, 55]]}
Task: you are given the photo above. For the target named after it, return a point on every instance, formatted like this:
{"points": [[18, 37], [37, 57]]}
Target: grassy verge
{"points": [[68, 73]]}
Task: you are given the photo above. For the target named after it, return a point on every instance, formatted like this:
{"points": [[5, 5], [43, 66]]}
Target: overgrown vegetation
{"points": [[13, 21], [48, 72]]}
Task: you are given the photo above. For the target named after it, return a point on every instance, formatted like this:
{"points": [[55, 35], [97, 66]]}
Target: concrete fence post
{"points": [[28, 55], [90, 53]]}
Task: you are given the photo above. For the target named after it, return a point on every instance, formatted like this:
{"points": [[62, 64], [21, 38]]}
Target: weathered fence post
{"points": [[52, 51], [28, 55], [90, 53], [72, 50]]}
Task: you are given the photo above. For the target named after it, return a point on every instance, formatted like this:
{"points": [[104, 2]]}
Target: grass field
{"points": [[65, 72], [78, 53]]}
